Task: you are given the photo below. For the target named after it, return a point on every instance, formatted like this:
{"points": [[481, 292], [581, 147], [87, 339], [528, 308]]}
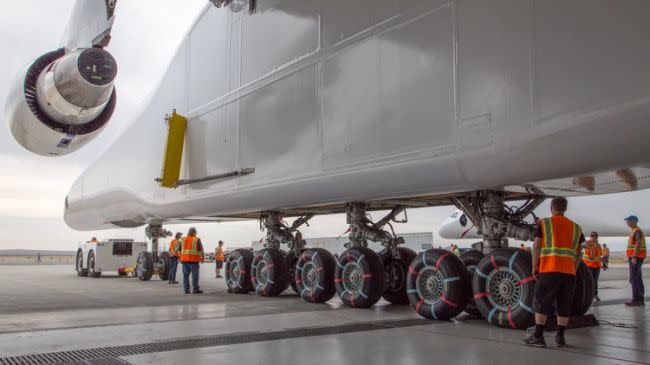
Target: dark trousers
{"points": [[595, 273], [173, 267], [190, 268], [636, 279]]}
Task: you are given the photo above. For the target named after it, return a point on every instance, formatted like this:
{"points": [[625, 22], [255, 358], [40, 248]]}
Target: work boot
{"points": [[197, 292], [173, 282], [560, 341], [596, 298], [634, 303], [535, 341]]}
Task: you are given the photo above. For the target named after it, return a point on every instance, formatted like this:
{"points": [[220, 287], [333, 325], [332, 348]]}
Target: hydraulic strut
{"points": [[362, 229]]}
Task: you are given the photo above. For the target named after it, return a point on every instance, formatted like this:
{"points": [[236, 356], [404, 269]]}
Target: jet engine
{"points": [[64, 100]]}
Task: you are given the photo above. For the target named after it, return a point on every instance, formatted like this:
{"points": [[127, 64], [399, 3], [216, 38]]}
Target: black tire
{"points": [[237, 269], [144, 266], [504, 288], [79, 264], [396, 272], [359, 277], [471, 260], [437, 284], [164, 259], [314, 275], [269, 273], [92, 265], [584, 291]]}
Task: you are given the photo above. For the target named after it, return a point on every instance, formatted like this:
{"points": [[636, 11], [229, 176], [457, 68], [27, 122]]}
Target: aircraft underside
{"points": [[299, 108]]}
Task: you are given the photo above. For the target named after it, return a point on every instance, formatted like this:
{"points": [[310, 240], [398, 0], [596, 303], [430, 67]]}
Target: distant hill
{"points": [[35, 252]]}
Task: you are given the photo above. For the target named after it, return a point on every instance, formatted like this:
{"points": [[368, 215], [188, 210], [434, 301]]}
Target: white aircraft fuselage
{"points": [[379, 101]]}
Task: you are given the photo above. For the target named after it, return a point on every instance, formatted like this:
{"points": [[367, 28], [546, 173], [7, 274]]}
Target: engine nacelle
{"points": [[63, 102]]}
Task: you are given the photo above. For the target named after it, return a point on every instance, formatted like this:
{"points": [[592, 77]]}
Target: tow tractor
{"points": [[121, 255]]}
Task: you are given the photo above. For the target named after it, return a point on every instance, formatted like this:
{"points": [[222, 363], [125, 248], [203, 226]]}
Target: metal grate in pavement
{"points": [[81, 357]]}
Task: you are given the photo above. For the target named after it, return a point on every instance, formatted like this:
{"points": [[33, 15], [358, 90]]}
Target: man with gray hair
{"points": [[191, 256]]}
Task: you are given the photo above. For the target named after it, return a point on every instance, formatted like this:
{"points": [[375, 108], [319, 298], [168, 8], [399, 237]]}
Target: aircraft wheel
{"points": [[437, 284], [471, 259], [314, 275], [144, 266], [237, 270], [79, 264], [359, 278], [92, 264], [396, 271], [164, 260], [504, 288], [269, 272], [584, 292]]}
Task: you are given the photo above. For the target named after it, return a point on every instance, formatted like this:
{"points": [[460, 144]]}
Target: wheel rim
{"points": [[395, 276], [430, 284], [352, 277], [142, 266], [234, 273], [310, 275], [503, 288], [262, 276]]}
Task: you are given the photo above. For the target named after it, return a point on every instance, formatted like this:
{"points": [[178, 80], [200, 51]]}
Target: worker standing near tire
{"points": [[636, 254], [191, 256], [219, 258], [555, 260], [174, 255], [592, 257], [605, 256]]}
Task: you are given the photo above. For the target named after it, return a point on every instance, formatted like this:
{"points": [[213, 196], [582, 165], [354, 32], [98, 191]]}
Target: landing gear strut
{"points": [[150, 263], [272, 271], [361, 278]]}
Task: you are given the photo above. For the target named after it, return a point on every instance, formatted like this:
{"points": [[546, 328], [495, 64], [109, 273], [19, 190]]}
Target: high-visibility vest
{"points": [[175, 248], [190, 251], [220, 255], [605, 251], [592, 255], [560, 240], [632, 243]]}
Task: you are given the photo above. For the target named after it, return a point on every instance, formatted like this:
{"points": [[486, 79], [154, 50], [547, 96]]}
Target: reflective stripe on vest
{"points": [[632, 243], [560, 239], [190, 251], [220, 255]]}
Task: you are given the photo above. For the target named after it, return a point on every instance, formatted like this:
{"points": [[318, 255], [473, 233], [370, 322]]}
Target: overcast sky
{"points": [[145, 34]]}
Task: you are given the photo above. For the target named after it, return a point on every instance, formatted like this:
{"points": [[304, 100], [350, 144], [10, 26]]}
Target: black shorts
{"points": [[554, 293], [219, 264]]}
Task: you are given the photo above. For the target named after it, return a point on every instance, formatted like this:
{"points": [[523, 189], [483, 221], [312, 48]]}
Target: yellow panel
{"points": [[171, 169]]}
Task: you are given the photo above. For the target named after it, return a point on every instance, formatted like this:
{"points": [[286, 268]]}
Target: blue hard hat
{"points": [[632, 218]]}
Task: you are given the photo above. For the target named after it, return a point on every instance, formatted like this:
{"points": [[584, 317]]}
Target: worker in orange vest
{"points": [[636, 254], [605, 256], [592, 257], [219, 258], [555, 260], [174, 256], [93, 240], [191, 256]]}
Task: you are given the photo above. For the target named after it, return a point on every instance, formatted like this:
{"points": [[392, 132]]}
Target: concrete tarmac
{"points": [[49, 315]]}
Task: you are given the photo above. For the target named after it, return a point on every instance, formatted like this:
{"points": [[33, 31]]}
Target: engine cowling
{"points": [[63, 101]]}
